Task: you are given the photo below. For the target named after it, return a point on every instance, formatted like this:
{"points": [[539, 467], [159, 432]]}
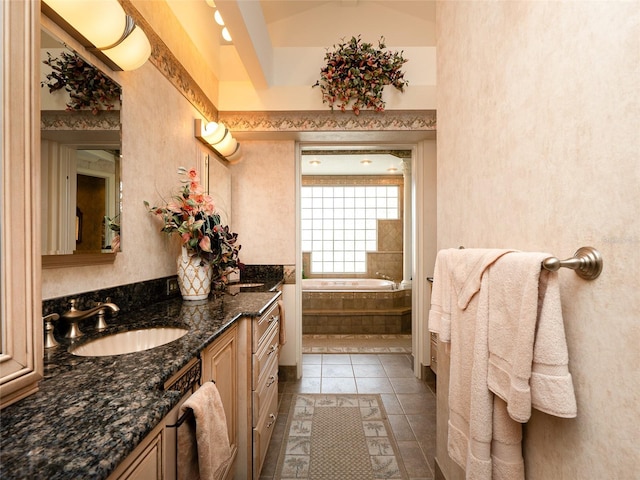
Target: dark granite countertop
{"points": [[91, 412]]}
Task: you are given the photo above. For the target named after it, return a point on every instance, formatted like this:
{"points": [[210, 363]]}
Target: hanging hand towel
{"points": [[283, 331], [204, 452], [528, 358]]}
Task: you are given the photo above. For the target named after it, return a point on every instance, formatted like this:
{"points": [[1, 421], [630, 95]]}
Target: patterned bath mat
{"points": [[338, 436]]}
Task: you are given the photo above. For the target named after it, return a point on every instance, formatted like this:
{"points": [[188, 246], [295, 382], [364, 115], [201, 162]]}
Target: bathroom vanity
{"points": [[110, 416]]}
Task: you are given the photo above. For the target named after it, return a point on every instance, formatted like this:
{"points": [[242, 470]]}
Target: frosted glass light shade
{"points": [[132, 53], [101, 22], [227, 145], [226, 35], [213, 132], [236, 156]]}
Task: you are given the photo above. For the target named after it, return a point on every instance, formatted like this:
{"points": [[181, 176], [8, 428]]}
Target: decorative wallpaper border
{"points": [[327, 120], [167, 64], [79, 120], [275, 121]]}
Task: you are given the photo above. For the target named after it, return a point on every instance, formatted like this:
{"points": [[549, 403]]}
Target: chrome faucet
{"points": [[73, 315], [395, 285]]}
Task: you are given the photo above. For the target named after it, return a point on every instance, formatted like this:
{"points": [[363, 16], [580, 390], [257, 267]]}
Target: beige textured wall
{"points": [[264, 202], [538, 149]]}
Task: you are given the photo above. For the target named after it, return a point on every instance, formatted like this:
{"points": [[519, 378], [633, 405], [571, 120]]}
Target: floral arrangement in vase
{"points": [[357, 72], [87, 86], [192, 215]]}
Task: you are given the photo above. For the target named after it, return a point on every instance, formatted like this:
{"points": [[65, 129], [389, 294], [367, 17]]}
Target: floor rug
{"points": [[338, 436]]}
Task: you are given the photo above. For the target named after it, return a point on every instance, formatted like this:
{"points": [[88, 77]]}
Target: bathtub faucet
{"points": [[386, 277], [395, 285]]}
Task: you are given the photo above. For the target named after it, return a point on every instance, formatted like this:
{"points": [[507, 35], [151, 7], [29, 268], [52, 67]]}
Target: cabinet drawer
{"points": [[267, 350], [263, 430], [268, 383], [262, 324]]}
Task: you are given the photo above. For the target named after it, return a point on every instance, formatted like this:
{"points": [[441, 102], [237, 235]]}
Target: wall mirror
{"points": [[80, 167]]}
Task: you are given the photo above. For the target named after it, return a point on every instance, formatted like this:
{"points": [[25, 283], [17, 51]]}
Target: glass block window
{"points": [[339, 224]]}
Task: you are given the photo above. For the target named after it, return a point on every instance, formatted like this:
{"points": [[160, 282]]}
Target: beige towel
{"points": [[283, 330], [204, 452], [456, 279], [482, 438], [528, 357]]}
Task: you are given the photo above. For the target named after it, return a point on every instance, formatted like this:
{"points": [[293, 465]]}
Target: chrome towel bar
{"points": [[185, 416], [587, 263]]}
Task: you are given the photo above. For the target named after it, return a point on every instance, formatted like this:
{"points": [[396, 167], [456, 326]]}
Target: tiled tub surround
{"points": [[92, 411], [355, 312]]}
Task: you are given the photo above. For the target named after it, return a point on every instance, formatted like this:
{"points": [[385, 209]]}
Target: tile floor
{"points": [[410, 403]]}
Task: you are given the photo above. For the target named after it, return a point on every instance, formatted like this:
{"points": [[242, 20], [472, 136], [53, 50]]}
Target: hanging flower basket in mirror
{"points": [[356, 73], [87, 86]]}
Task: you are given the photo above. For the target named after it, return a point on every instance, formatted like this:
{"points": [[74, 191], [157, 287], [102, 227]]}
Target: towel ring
{"points": [[587, 263]]}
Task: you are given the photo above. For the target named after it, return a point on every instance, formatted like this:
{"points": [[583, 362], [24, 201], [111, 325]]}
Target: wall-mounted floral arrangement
{"points": [[88, 87], [357, 72]]}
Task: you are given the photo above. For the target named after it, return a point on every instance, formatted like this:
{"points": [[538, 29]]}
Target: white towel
{"points": [[528, 356], [204, 451], [482, 438]]}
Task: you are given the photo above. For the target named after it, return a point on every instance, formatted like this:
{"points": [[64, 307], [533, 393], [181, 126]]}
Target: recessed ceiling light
{"points": [[314, 162], [365, 162], [218, 18], [392, 169]]}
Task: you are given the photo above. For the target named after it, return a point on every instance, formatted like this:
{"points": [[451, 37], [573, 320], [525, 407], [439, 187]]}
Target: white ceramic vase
{"points": [[194, 279]]}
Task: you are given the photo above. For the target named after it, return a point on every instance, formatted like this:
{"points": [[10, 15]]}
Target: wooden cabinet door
{"points": [[220, 363], [21, 353]]}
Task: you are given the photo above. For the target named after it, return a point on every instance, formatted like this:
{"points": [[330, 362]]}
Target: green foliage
{"points": [[357, 72], [88, 87]]}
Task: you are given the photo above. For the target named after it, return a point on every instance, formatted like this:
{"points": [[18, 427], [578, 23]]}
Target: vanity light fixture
{"points": [[219, 139], [103, 28]]}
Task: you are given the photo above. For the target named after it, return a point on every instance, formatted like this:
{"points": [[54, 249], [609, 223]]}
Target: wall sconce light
{"points": [[218, 138], [103, 27]]}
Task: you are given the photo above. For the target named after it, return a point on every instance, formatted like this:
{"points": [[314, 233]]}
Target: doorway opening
{"points": [[355, 238]]}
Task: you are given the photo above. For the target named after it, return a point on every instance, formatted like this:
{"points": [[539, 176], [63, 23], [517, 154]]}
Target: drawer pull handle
{"points": [[272, 349], [271, 381], [273, 318], [273, 419]]}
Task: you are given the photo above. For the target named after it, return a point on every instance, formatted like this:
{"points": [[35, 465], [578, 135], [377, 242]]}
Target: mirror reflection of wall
{"points": [[80, 157]]}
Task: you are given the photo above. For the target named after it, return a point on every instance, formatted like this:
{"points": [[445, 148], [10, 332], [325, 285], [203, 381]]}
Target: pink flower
{"points": [[205, 244], [192, 174]]}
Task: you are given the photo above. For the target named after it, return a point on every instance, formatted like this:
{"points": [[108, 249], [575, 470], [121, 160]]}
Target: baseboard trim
{"points": [[287, 373]]}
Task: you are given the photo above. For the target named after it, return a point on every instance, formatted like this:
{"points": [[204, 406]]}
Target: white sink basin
{"points": [[129, 342]]}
